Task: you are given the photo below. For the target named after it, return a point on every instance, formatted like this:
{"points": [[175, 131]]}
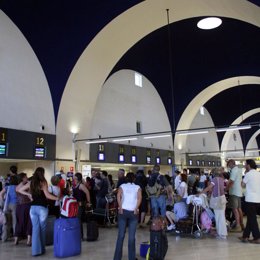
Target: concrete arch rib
{"points": [[203, 97], [253, 144], [93, 67], [239, 120]]}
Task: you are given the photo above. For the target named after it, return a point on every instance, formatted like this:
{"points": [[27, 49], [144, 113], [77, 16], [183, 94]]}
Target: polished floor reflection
{"points": [[179, 248]]}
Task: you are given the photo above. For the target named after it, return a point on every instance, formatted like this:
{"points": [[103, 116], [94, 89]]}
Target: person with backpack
{"points": [[161, 189]]}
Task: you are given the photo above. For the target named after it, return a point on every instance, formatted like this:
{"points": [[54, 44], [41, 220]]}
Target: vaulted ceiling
{"points": [[60, 30]]}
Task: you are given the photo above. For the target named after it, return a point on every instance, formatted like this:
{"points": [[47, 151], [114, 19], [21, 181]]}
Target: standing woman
{"points": [[217, 188], [183, 187], [24, 225], [39, 211], [129, 198], [81, 194], [9, 207]]}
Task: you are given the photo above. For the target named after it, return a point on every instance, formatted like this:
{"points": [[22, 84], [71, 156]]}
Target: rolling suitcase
{"points": [[92, 231], [158, 245], [67, 237], [50, 230]]}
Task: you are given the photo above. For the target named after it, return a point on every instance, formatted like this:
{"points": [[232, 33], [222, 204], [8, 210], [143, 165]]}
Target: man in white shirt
{"points": [[252, 202], [235, 194]]}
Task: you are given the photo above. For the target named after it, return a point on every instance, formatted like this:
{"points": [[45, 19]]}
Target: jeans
{"points": [[39, 215], [158, 203], [9, 221], [251, 224], [130, 219]]}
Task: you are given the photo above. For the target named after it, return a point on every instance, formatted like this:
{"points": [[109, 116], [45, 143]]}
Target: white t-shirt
{"points": [[129, 198], [55, 190], [182, 186], [236, 177], [252, 181], [177, 182]]}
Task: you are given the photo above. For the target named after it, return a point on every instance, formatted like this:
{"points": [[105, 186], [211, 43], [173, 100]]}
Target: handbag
{"points": [[218, 202]]}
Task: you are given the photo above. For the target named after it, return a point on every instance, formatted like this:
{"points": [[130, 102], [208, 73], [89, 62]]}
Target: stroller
{"points": [[192, 225]]}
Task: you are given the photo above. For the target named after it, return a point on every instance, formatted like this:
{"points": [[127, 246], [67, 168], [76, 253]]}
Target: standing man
{"points": [[121, 177], [158, 201], [252, 202], [235, 194]]}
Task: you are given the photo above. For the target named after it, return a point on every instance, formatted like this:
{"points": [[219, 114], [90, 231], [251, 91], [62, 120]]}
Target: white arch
{"points": [[251, 140], [203, 97], [93, 67], [25, 94], [237, 121]]}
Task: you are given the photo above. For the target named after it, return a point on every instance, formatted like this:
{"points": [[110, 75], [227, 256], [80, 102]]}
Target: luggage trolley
{"points": [[191, 226], [109, 213]]}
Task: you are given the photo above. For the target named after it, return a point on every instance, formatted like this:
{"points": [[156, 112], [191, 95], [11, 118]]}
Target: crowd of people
{"points": [[28, 202]]}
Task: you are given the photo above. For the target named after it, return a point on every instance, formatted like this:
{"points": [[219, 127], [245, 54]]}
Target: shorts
{"points": [[170, 214], [234, 202]]}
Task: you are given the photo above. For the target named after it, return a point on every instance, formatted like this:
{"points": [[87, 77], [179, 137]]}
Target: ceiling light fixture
{"points": [[125, 139], [156, 136], [97, 141], [192, 132], [209, 23], [233, 128]]}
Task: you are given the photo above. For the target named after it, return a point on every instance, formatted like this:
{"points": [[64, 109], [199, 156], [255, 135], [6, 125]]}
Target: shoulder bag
{"points": [[218, 202]]}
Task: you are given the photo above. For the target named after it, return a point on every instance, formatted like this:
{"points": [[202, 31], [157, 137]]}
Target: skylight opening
{"points": [[138, 80], [209, 23]]}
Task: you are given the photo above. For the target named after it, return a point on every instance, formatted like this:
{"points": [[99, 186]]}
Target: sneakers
{"points": [[171, 227], [221, 237]]}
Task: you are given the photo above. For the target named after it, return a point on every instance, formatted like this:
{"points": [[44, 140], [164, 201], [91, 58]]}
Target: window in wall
{"points": [[204, 142], [202, 111], [138, 127], [138, 80]]}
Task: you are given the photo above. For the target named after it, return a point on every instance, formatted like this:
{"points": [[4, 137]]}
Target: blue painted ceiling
{"points": [[60, 30]]}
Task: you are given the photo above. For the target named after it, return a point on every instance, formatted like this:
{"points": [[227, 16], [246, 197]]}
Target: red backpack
{"points": [[69, 207]]}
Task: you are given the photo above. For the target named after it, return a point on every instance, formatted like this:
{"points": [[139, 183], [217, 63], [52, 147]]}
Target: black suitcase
{"points": [[92, 231], [50, 230], [158, 245]]}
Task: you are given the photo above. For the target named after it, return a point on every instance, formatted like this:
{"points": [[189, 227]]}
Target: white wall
{"points": [[26, 102], [29, 168], [121, 104], [194, 143]]}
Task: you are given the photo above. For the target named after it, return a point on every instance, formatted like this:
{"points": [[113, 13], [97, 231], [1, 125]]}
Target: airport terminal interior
{"points": [[108, 84]]}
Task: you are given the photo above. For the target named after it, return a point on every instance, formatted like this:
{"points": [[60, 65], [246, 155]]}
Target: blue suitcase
{"points": [[67, 237]]}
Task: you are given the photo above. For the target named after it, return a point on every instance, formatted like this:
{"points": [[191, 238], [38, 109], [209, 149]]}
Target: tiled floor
{"points": [[179, 248]]}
